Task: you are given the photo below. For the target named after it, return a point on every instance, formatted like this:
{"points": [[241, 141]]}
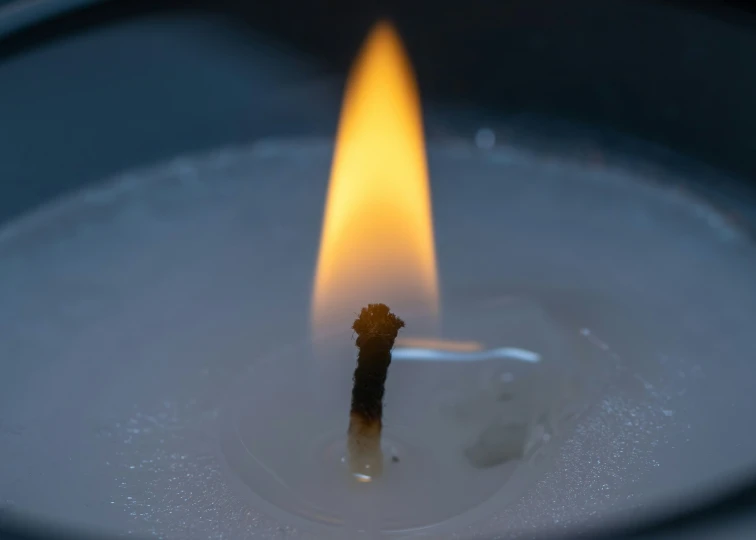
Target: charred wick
{"points": [[376, 330]]}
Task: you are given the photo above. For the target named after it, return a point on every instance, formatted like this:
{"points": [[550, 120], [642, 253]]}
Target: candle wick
{"points": [[376, 330]]}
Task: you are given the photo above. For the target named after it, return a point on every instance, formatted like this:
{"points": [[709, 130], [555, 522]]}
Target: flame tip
{"points": [[385, 25]]}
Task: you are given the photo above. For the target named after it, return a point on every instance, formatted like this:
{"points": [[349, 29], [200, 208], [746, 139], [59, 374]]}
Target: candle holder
{"points": [[140, 319]]}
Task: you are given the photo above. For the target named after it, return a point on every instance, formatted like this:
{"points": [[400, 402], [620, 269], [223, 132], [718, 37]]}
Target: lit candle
{"points": [[168, 351]]}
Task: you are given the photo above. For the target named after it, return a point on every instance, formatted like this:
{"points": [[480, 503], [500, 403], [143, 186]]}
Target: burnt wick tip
{"points": [[377, 321]]}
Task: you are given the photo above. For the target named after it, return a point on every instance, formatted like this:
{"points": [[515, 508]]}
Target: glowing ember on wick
{"points": [[377, 240]]}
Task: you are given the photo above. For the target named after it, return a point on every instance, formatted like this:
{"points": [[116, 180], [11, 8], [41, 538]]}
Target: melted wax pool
{"points": [[462, 431]]}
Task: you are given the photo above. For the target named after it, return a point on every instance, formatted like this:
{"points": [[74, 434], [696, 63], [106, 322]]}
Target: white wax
{"points": [[468, 436], [133, 313]]}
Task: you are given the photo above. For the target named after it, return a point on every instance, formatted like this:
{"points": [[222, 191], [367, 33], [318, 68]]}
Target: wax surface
{"points": [[461, 438], [130, 312]]}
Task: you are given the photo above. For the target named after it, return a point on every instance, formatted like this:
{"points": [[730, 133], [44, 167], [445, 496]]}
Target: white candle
{"points": [[158, 324]]}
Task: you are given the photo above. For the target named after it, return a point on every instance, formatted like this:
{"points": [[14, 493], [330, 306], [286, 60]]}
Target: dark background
{"points": [[126, 83], [683, 81]]}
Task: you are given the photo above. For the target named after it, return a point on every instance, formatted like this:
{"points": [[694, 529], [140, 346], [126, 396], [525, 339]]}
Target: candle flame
{"points": [[377, 239]]}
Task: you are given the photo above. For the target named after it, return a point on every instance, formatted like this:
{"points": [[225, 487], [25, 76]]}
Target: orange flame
{"points": [[377, 239]]}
